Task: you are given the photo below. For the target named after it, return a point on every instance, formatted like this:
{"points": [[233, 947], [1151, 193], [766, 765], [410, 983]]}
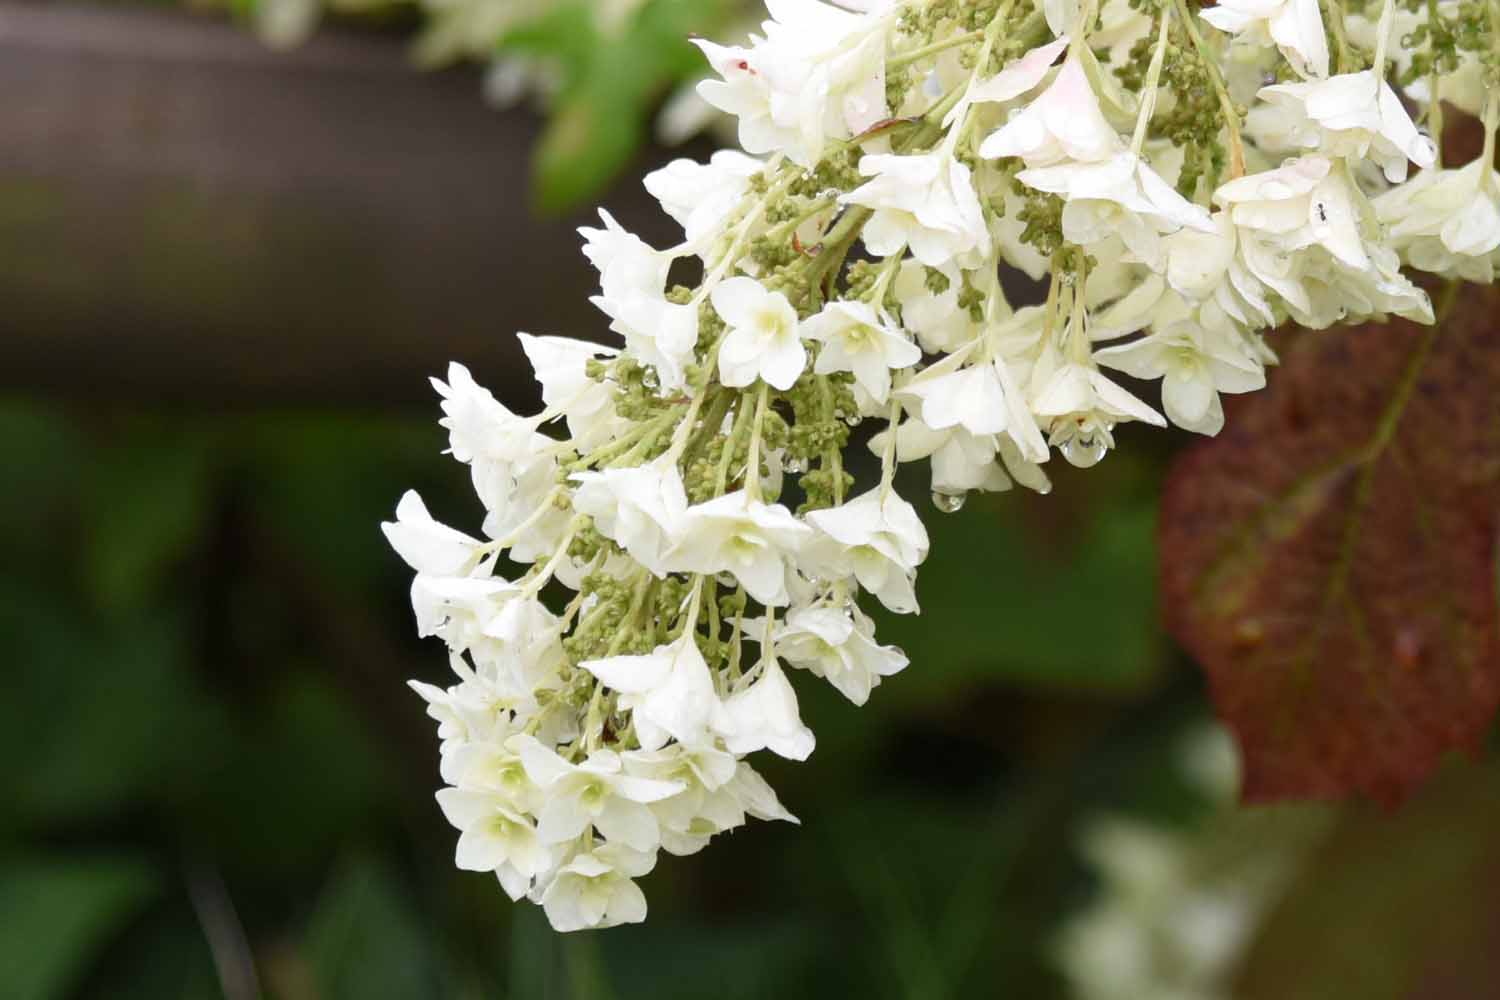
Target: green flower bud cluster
{"points": [[1041, 213], [1191, 119], [604, 622]]}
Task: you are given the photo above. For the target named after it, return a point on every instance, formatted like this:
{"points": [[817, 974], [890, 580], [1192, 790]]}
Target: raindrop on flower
{"points": [[948, 503], [794, 465], [1084, 452]]}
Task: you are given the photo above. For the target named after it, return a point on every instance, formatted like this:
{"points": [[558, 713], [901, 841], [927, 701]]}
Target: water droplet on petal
{"points": [[793, 465], [947, 502], [1084, 453]]}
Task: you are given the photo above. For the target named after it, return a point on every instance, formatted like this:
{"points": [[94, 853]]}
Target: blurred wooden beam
{"points": [[187, 216]]}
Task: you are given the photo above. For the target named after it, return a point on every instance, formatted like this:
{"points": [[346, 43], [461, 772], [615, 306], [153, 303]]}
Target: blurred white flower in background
{"points": [[1176, 908]]}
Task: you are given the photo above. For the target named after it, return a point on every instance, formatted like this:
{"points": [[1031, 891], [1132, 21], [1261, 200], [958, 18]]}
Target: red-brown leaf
{"points": [[1331, 558]]}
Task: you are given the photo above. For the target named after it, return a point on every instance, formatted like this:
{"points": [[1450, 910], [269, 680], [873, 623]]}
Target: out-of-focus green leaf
{"points": [[83, 721], [588, 140], [528, 965], [669, 960], [587, 974], [613, 78], [365, 941], [164, 953], [148, 497], [306, 761], [45, 454], [1002, 601], [323, 485], [56, 914]]}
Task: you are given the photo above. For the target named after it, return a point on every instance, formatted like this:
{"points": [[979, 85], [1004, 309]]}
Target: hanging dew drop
{"points": [[793, 465], [1084, 453], [948, 503]]}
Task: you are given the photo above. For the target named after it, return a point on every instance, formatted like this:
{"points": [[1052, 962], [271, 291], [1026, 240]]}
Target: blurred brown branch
{"points": [[188, 216]]}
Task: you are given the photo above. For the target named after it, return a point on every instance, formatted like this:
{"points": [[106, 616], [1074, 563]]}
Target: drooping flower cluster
{"points": [[677, 534]]}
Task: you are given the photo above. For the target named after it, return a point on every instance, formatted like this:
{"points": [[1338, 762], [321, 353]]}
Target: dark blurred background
{"points": [[225, 275]]}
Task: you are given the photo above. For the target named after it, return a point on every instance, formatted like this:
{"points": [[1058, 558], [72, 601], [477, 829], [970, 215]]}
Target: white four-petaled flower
{"points": [[595, 793], [742, 536], [856, 339], [763, 340], [925, 202], [669, 692], [838, 644], [881, 541]]}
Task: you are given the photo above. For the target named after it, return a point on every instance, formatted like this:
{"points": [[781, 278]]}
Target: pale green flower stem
{"points": [[1343, 58], [1153, 81], [912, 55]]}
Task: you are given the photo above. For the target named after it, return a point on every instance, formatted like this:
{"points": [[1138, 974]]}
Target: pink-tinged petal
{"points": [[1020, 75]]}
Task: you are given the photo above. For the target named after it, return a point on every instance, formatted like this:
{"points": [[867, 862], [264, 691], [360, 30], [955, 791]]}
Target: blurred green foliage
{"points": [[212, 753], [56, 913], [611, 82]]}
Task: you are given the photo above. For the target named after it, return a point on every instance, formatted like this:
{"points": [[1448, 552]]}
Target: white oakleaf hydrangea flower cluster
{"points": [[677, 534]]}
